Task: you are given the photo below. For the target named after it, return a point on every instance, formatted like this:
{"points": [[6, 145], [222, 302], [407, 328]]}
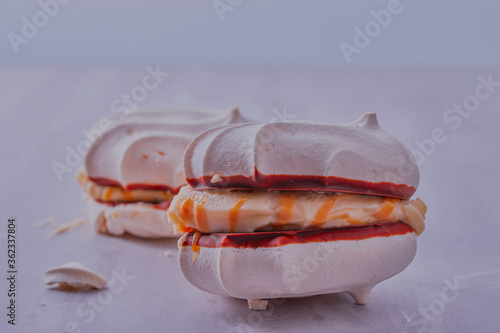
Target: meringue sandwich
{"points": [[296, 209], [134, 169]]}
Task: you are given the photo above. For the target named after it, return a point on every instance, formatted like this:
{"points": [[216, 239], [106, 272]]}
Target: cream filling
{"points": [[138, 219], [115, 193], [248, 211]]}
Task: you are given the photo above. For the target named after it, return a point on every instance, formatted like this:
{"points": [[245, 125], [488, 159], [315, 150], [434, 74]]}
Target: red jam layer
{"points": [[162, 205], [110, 182], [259, 181], [280, 238]]}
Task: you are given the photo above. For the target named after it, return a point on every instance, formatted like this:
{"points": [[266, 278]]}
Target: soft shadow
{"points": [[65, 289], [292, 312]]}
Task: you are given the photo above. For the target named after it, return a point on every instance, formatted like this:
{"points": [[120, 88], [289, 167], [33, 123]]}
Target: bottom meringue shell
{"points": [[297, 265]]}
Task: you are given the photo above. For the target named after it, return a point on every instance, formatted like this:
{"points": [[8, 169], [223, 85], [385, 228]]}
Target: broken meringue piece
{"points": [[74, 276]]}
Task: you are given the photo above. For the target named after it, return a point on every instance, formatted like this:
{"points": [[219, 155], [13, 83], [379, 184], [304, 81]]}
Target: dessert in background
{"points": [[296, 209], [134, 169]]}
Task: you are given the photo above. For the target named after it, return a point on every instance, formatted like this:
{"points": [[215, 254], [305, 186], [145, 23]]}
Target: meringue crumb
{"points": [[48, 221], [42, 303], [216, 178], [257, 304], [165, 254], [61, 228]]}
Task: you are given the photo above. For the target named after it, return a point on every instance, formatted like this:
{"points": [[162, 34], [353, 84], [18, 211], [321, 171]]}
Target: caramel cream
{"points": [[250, 211]]}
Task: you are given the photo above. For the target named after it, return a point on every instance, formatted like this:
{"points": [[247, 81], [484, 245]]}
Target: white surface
{"points": [[45, 109]]}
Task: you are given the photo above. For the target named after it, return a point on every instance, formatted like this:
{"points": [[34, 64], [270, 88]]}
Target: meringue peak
{"points": [[368, 120]]}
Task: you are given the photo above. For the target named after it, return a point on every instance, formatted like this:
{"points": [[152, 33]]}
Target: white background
{"points": [[278, 32], [266, 58]]}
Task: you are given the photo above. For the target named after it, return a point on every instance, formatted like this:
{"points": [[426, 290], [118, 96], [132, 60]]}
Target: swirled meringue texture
{"points": [[358, 157], [144, 149]]}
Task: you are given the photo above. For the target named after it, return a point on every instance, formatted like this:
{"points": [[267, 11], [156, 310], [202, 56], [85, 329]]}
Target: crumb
{"points": [[48, 221], [61, 228], [42, 303], [217, 177], [257, 304], [165, 254]]}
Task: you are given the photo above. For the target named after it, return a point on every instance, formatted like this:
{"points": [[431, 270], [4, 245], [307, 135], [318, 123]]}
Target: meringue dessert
{"points": [[296, 209], [134, 169], [74, 276]]}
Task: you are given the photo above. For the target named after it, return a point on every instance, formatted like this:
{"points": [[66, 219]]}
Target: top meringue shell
{"points": [[358, 157], [144, 149]]}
